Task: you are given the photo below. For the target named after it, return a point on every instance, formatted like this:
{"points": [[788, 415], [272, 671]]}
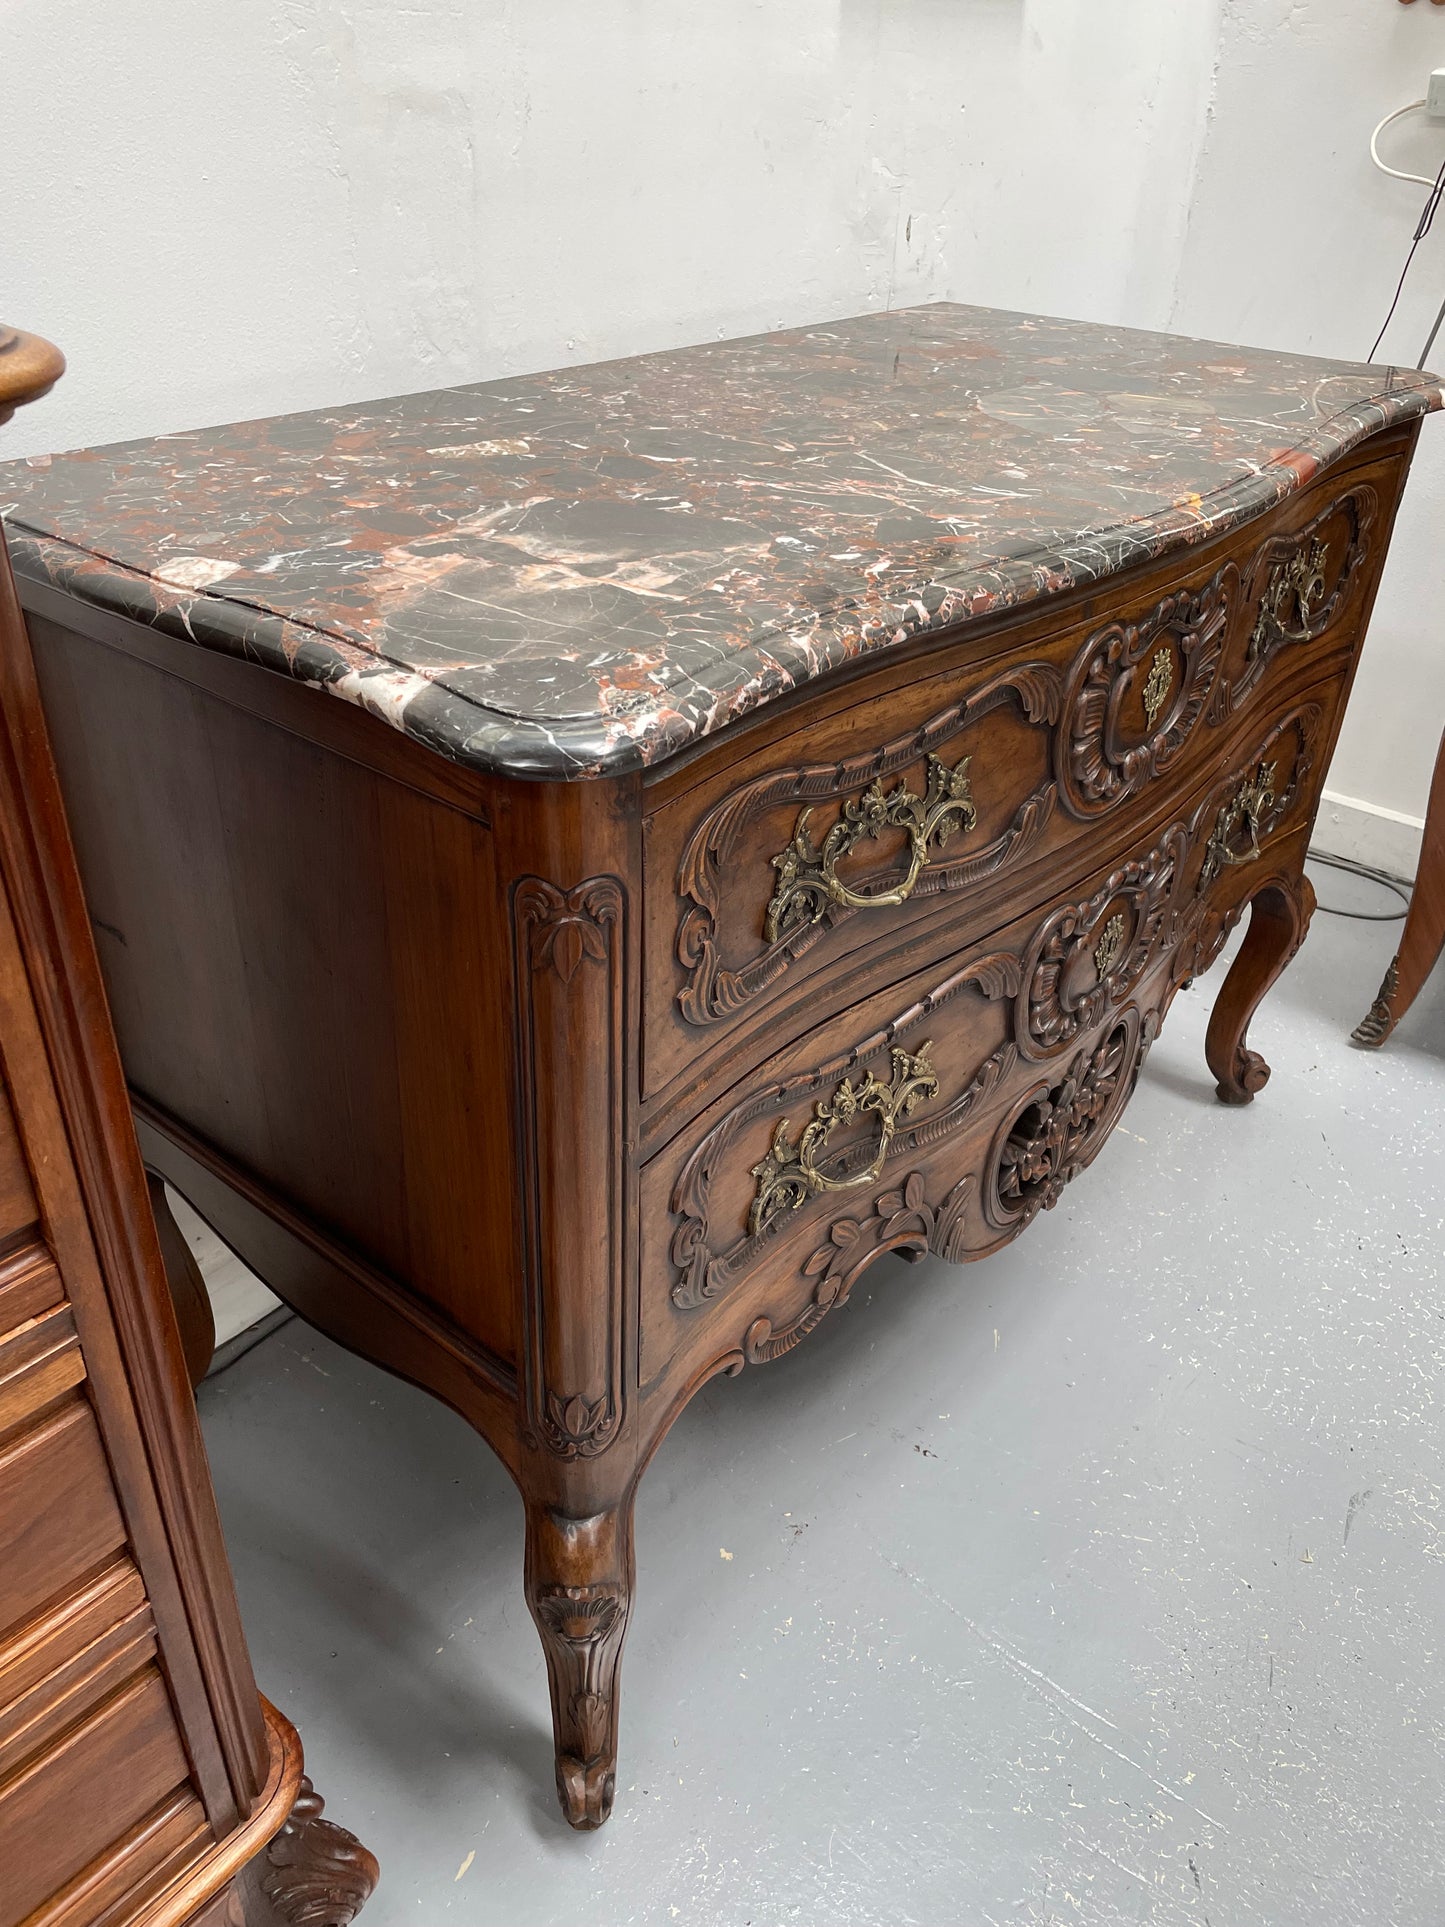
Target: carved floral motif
{"points": [[1061, 1127], [315, 1873], [581, 1626], [901, 1220], [1086, 957]]}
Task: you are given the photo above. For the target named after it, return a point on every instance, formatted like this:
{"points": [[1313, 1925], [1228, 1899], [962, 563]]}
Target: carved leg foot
{"points": [[579, 1588], [1424, 934], [313, 1874], [189, 1296], [1279, 916]]}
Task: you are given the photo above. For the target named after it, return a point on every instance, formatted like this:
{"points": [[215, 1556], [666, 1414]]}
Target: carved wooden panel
{"points": [[947, 1128], [1137, 693], [792, 904], [787, 874], [1296, 589]]}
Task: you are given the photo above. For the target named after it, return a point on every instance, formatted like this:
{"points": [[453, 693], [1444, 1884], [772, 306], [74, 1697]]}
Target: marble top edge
{"points": [[724, 525]]}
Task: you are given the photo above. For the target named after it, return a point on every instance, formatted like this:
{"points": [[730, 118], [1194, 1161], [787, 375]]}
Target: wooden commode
{"points": [[584, 864]]}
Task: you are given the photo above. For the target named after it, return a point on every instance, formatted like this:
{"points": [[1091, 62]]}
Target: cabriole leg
{"points": [[579, 1588], [1424, 935], [1279, 916]]}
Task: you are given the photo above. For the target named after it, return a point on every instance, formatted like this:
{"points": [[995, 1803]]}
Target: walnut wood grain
{"points": [[139, 1770], [478, 1073], [30, 366]]}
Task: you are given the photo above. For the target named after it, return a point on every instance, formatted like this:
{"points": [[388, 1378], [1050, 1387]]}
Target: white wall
{"points": [[222, 211], [1296, 241]]}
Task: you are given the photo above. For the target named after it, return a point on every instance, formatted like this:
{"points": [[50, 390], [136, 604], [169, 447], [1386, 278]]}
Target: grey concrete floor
{"points": [[1100, 1582]]}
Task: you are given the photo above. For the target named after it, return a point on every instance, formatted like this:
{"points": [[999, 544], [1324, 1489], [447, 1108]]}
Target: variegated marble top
{"points": [[584, 571]]}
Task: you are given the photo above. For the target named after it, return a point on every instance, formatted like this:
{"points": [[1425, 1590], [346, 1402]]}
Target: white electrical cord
{"points": [[1425, 180]]}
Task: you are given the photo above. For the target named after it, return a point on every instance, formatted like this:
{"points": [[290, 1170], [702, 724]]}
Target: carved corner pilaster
{"points": [[570, 964]]}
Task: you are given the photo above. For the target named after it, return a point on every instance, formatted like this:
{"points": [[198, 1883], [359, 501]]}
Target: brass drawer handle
{"points": [[1288, 606], [808, 879], [1250, 804], [789, 1175]]}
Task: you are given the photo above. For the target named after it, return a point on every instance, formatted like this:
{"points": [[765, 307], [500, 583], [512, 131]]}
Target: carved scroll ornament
{"points": [[790, 1173], [1087, 956], [1103, 755], [1296, 598], [808, 880], [1060, 1127], [803, 904]]}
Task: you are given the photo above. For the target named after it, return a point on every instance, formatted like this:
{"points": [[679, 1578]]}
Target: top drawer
{"points": [[890, 818]]}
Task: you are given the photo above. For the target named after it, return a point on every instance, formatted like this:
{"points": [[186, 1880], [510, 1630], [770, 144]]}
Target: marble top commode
{"points": [[582, 572]]}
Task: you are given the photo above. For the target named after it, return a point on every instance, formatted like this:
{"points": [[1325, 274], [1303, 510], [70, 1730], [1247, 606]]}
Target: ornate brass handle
{"points": [[1249, 805], [808, 879], [789, 1174], [1299, 579]]}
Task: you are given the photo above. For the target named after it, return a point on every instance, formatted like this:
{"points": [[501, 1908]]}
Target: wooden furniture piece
{"points": [[143, 1781], [767, 799], [1423, 937]]}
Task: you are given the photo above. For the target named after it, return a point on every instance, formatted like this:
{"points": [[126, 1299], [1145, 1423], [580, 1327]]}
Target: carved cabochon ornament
{"points": [[1137, 692]]}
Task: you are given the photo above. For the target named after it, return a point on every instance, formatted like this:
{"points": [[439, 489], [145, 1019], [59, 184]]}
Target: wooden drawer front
{"points": [[66, 1663], [40, 1362], [53, 1822], [946, 1111], [940, 796], [59, 1520]]}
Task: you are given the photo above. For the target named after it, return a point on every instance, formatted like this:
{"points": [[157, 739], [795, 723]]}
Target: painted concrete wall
{"points": [[1296, 241], [230, 211]]}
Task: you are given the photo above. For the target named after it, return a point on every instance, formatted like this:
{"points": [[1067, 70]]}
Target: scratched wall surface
{"points": [[1100, 1582]]}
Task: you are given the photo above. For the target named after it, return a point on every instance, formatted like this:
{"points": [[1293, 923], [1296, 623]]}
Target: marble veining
{"points": [[582, 572]]}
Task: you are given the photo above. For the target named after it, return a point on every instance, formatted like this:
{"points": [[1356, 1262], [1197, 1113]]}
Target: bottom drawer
{"points": [[944, 1114], [82, 1795]]}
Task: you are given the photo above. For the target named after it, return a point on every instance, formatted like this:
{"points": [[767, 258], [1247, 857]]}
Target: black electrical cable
{"points": [[1371, 875], [1422, 228], [1430, 338]]}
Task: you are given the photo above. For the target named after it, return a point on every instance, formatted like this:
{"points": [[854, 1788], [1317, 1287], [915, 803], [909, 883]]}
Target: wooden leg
{"points": [[188, 1289], [1424, 936], [313, 1872], [579, 1589], [1279, 916]]}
